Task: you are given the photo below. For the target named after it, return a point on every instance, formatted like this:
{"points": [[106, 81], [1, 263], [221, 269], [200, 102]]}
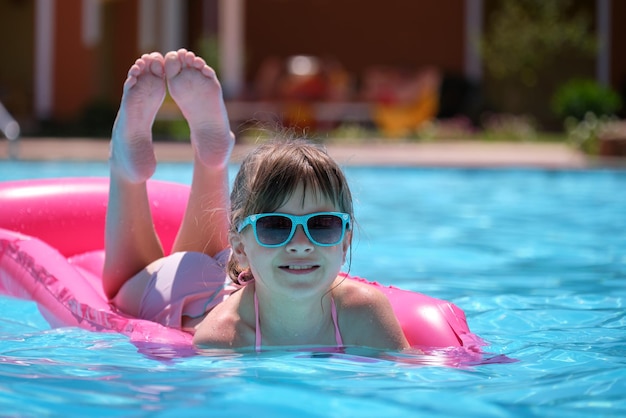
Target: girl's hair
{"points": [[271, 173]]}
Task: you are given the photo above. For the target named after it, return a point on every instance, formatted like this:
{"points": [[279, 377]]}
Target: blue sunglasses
{"points": [[277, 229]]}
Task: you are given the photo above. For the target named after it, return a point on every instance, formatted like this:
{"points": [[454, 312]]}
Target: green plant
{"points": [[524, 36], [171, 130], [350, 132], [96, 119], [585, 133], [509, 127], [578, 97], [209, 49]]}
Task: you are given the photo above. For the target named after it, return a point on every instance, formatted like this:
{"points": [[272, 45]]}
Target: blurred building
{"points": [[62, 58]]}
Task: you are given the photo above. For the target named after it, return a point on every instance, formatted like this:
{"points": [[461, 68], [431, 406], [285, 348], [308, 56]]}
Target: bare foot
{"points": [[132, 154], [195, 88]]}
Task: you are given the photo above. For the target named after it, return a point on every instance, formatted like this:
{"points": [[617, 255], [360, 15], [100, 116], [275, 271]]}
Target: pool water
{"points": [[536, 259]]}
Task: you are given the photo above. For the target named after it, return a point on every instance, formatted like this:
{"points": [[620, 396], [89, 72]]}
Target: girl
{"points": [[284, 235]]}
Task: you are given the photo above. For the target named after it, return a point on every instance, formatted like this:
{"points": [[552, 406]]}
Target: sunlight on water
{"points": [[536, 259]]}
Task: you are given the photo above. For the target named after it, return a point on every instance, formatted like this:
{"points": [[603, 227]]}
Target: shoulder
{"points": [[357, 295], [366, 316], [226, 326]]}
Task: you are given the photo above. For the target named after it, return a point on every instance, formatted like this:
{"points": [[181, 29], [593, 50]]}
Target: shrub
{"points": [[578, 97]]}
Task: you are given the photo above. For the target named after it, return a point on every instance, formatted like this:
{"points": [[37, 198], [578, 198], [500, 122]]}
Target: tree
{"points": [[525, 36]]}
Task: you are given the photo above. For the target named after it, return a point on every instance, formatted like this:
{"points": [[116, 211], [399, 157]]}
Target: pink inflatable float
{"points": [[51, 252]]}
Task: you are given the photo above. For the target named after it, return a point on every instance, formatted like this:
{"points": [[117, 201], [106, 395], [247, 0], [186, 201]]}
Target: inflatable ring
{"points": [[51, 252]]}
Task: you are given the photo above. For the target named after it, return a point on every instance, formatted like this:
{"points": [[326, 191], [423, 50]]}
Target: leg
{"points": [[131, 243], [197, 92]]}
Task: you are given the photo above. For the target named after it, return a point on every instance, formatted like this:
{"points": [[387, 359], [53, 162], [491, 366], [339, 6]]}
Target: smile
{"points": [[299, 267]]}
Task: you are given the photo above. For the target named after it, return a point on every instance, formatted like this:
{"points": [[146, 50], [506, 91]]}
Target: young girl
{"points": [[284, 235]]}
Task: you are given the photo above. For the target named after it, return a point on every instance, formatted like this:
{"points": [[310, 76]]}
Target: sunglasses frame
{"points": [[295, 221]]}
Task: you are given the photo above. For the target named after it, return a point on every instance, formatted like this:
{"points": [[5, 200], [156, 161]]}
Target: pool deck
{"points": [[461, 153]]}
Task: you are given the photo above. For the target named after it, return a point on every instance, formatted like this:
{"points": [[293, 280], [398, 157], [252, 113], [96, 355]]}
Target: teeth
{"points": [[299, 267]]}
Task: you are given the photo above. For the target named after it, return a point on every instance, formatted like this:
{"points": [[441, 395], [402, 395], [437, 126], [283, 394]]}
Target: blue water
{"points": [[537, 259]]}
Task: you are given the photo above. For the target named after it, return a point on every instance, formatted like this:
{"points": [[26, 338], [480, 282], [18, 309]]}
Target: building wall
{"points": [[358, 33], [75, 71], [119, 47], [17, 52], [618, 47]]}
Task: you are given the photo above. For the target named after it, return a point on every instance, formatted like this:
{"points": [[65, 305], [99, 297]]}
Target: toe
{"points": [[172, 64], [157, 68]]}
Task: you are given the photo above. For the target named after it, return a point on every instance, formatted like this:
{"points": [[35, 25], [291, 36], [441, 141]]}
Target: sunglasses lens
{"points": [[273, 230], [325, 229]]}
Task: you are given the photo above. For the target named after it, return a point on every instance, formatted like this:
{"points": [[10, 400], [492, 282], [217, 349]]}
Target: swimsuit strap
{"points": [[258, 324], [333, 313]]}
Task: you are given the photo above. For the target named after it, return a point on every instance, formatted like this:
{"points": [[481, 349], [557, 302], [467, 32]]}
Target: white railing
{"points": [[11, 130]]}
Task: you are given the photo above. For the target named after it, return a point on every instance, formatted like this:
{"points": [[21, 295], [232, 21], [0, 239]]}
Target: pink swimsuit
{"points": [[186, 284], [333, 313]]}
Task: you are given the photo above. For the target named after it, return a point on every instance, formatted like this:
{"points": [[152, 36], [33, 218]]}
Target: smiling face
{"points": [[293, 176], [298, 266]]}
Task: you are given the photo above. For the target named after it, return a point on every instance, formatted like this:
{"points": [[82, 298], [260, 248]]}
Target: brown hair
{"points": [[270, 174]]}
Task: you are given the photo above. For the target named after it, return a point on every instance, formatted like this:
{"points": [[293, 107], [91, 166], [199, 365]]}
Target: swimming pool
{"points": [[537, 259]]}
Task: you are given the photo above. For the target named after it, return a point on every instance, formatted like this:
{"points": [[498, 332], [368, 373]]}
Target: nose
{"points": [[300, 242]]}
